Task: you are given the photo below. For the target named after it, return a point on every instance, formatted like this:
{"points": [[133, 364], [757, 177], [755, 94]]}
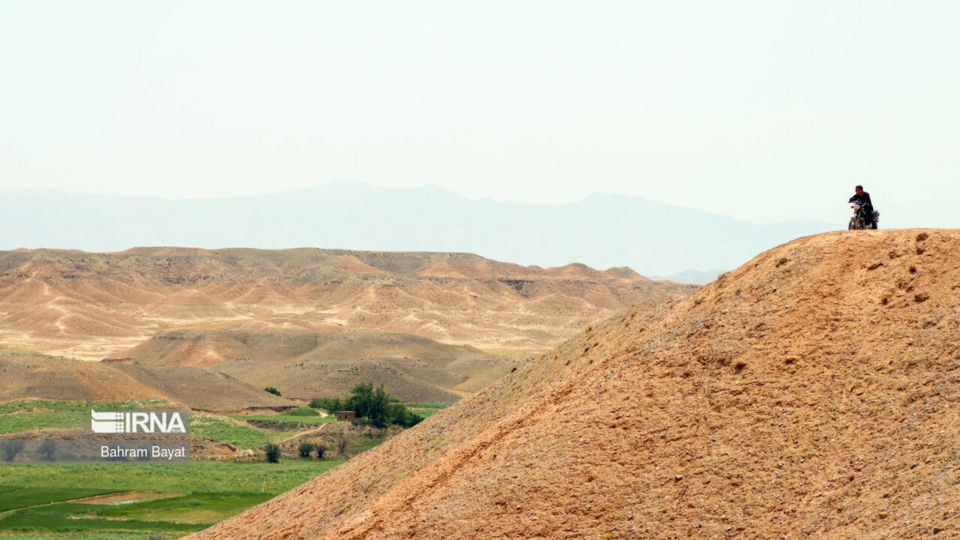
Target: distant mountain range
{"points": [[602, 230]]}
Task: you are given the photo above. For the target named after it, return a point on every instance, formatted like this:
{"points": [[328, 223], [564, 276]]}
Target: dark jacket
{"points": [[864, 200], [867, 205]]}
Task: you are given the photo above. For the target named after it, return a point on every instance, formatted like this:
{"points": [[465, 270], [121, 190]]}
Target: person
{"points": [[862, 198]]}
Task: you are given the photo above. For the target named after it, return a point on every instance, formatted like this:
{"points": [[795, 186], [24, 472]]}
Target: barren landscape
{"points": [[811, 392], [98, 305], [211, 329], [303, 364]]}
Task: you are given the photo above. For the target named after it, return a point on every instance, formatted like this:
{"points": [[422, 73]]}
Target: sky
{"points": [[759, 110]]}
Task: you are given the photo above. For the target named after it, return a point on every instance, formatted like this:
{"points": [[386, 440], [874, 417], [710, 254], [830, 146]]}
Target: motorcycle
{"points": [[861, 219]]}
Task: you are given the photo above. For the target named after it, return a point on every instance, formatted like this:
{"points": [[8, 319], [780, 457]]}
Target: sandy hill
{"points": [[811, 392], [96, 305], [303, 364], [25, 376]]}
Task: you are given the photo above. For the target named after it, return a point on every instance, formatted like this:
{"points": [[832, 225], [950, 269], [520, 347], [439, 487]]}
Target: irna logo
{"points": [[138, 422]]}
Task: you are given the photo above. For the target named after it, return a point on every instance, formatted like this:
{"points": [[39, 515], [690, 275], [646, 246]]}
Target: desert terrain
{"points": [[303, 364], [98, 305], [211, 329], [810, 392]]}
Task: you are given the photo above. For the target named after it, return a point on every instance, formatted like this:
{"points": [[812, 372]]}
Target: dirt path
{"points": [[302, 434]]}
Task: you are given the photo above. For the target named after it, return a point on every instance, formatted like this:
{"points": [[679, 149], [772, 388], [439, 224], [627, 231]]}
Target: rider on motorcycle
{"points": [[863, 199]]}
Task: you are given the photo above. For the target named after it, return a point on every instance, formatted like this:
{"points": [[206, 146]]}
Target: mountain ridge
{"points": [[600, 230]]}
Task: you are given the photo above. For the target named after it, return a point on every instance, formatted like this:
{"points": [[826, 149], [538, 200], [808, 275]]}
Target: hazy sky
{"points": [[758, 110]]}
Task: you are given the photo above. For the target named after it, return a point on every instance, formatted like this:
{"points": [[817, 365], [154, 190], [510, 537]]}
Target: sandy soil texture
{"points": [[814, 391], [304, 364], [97, 305]]}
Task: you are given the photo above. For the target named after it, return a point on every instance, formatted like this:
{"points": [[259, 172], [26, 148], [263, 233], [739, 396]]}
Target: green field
{"points": [[30, 414], [286, 418], [16, 423], [194, 496], [27, 415], [43, 500], [197, 508], [197, 476], [46, 500], [99, 535], [85, 406], [12, 497], [428, 409], [237, 433]]}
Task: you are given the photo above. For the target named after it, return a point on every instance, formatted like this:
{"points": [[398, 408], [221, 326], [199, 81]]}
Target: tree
{"points": [[340, 441], [361, 399], [321, 449], [306, 449], [273, 452], [48, 449], [331, 405], [10, 449], [371, 403]]}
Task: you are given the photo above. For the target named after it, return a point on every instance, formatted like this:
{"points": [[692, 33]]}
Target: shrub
{"points": [[306, 449], [272, 452], [48, 449], [10, 449], [321, 449], [922, 236], [331, 405], [402, 416], [340, 441], [272, 390]]}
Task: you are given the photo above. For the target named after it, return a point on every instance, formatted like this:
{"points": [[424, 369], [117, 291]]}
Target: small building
{"points": [[345, 415]]}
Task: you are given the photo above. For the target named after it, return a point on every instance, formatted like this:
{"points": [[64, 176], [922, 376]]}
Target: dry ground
{"points": [[97, 305], [814, 391], [304, 364]]}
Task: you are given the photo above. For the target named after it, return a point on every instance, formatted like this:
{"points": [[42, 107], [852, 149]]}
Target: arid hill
{"points": [[303, 364], [25, 376], [812, 392], [227, 370], [97, 305]]}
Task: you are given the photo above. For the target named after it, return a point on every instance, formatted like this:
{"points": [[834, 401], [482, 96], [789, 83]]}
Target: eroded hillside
{"points": [[24, 376], [97, 305], [303, 364], [811, 392]]}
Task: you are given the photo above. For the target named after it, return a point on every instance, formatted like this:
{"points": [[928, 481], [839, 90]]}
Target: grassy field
{"points": [[85, 406], [99, 535], [197, 476], [49, 500], [28, 415], [12, 497], [426, 410], [193, 496], [237, 433], [83, 517], [16, 423], [31, 414], [197, 508], [287, 418]]}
